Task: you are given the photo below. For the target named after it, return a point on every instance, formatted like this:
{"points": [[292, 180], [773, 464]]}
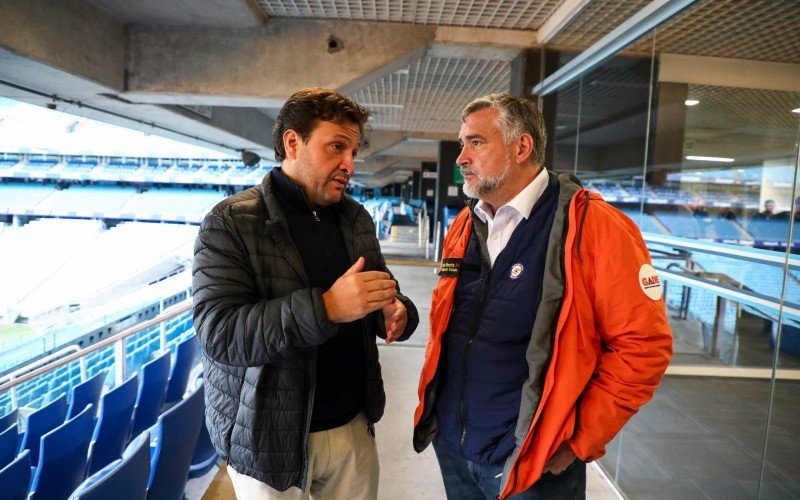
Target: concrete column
{"points": [[530, 67], [670, 126], [448, 190], [416, 185]]}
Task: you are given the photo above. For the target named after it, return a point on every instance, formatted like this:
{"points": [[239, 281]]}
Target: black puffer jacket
{"points": [[259, 324]]}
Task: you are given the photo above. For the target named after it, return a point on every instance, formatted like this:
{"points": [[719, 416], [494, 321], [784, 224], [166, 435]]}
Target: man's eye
{"points": [[336, 147]]}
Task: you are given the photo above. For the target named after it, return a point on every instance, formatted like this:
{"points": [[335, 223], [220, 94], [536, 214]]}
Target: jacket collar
{"points": [[347, 208]]}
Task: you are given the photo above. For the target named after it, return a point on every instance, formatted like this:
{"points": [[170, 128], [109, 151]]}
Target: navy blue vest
{"points": [[488, 334]]}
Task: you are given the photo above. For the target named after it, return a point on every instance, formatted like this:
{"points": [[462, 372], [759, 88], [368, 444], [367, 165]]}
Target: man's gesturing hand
{"points": [[395, 318], [356, 294]]}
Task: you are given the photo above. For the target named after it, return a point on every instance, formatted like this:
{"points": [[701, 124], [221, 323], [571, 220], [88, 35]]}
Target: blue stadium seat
{"points": [[62, 458], [113, 425], [8, 419], [122, 479], [86, 393], [15, 478], [40, 423], [9, 445], [176, 437], [204, 456], [152, 391], [179, 375]]}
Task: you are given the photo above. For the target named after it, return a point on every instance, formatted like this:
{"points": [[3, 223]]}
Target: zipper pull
{"points": [[371, 430], [314, 213]]}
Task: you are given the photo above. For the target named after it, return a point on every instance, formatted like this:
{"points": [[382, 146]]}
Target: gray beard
{"points": [[486, 185]]}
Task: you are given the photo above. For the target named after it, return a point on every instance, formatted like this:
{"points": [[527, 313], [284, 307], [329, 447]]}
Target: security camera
{"points": [[249, 158]]}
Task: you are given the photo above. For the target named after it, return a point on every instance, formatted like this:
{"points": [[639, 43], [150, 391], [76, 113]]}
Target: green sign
{"points": [[458, 179]]}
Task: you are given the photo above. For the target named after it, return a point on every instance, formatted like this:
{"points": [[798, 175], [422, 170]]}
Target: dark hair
{"points": [[517, 115], [307, 107]]}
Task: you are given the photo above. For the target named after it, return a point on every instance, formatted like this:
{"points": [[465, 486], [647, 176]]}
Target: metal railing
{"points": [[10, 381]]}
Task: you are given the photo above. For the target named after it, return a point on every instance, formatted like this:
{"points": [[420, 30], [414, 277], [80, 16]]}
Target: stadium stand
{"points": [[48, 276], [21, 198], [171, 204], [89, 201]]}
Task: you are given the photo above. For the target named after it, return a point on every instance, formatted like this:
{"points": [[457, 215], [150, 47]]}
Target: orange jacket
{"points": [[612, 343]]}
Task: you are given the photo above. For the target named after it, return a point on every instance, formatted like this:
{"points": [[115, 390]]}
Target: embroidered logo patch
{"points": [[450, 267], [650, 282], [516, 271]]}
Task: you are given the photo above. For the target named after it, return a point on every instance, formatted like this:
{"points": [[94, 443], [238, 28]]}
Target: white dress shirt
{"points": [[502, 223]]}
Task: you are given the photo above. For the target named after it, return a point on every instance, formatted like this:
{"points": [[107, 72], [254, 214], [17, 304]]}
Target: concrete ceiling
{"points": [[214, 72]]}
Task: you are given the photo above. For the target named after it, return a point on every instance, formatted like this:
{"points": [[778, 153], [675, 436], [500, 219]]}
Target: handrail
{"points": [[759, 256], [167, 314], [42, 361], [741, 296]]}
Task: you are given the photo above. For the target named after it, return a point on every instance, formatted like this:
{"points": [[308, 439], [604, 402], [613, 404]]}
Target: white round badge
{"points": [[650, 282], [516, 271]]}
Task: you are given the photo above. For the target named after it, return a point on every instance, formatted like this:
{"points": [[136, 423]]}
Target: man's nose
{"points": [[348, 164], [462, 158]]}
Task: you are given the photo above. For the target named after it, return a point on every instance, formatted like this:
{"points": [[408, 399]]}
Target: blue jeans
{"points": [[467, 480]]}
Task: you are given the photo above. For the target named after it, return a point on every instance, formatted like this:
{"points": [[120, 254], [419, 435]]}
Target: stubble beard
{"points": [[484, 185]]}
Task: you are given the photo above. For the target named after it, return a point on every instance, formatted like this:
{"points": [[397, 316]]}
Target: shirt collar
{"points": [[523, 202]]}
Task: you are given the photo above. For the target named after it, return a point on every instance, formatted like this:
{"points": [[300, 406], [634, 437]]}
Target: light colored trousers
{"points": [[342, 464]]}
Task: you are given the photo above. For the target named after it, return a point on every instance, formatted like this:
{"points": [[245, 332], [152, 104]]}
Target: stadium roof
{"points": [[25, 128]]}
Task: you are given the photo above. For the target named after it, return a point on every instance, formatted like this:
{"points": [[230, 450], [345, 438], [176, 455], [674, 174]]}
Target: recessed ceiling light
{"points": [[796, 111], [710, 158], [692, 102]]}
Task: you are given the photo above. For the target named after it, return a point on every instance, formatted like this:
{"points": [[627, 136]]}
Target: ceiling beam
{"points": [[263, 66], [561, 17]]}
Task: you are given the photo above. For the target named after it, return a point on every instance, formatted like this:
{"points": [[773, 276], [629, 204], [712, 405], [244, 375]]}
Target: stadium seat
{"points": [[152, 391], [9, 445], [179, 375], [175, 437], [86, 393], [122, 479], [40, 423], [16, 477], [62, 458], [8, 419], [204, 456], [113, 425]]}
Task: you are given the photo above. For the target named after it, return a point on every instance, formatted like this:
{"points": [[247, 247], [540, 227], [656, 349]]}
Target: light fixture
{"points": [[692, 102], [796, 111], [710, 158]]}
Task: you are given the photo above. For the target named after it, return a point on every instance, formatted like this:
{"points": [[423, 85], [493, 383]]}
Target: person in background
{"points": [[548, 324], [290, 292], [768, 212]]}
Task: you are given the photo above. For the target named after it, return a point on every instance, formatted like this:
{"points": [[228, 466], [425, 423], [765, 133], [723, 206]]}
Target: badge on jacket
{"points": [[450, 267]]}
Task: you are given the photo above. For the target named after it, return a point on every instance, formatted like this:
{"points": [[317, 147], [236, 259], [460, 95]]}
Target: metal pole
{"points": [[437, 236], [119, 361], [427, 241], [719, 323], [420, 226], [162, 329]]}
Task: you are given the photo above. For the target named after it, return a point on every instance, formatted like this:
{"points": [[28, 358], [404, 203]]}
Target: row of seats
{"points": [[108, 201], [689, 226], [46, 276], [138, 349], [93, 169], [54, 447]]}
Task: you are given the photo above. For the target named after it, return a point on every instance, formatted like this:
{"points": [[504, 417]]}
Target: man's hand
{"points": [[356, 294], [395, 318], [561, 459]]}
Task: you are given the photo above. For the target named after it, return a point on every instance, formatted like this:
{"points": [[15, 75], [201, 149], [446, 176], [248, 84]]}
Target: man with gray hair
{"points": [[548, 326]]}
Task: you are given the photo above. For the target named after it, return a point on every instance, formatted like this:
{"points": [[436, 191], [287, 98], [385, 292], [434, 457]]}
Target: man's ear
{"points": [[525, 148], [291, 143]]}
